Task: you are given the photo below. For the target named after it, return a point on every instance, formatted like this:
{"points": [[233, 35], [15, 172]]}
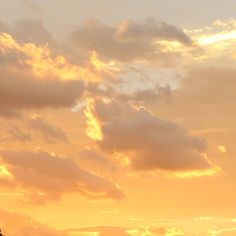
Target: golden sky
{"points": [[117, 118]]}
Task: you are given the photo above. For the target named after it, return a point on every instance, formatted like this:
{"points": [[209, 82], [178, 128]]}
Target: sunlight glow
{"points": [[93, 127], [4, 173], [217, 38], [190, 174]]}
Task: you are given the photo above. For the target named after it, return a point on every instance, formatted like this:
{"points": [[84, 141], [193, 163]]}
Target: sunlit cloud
{"points": [[120, 123]]}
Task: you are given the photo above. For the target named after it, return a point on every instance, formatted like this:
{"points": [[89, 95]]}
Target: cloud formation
{"points": [[150, 142], [50, 133], [14, 133], [129, 41], [46, 176], [21, 87]]}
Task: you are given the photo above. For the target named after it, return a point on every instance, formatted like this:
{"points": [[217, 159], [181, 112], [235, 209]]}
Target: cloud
{"points": [[94, 158], [205, 98], [17, 224], [29, 31], [147, 96], [33, 31], [14, 133], [46, 176], [129, 41], [151, 29], [150, 142], [9, 113], [209, 86], [22, 85], [50, 132]]}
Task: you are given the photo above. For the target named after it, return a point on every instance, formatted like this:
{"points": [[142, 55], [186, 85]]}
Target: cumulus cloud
{"points": [[46, 176], [128, 41], [150, 142]]}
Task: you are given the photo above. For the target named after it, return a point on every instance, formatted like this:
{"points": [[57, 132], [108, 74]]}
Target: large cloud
{"points": [[47, 176], [21, 86], [149, 141], [128, 41]]}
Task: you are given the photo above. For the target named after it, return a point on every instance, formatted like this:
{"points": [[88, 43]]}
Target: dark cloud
{"points": [[46, 176]]}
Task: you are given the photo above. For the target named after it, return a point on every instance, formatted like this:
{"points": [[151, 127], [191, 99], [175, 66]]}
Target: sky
{"points": [[117, 118]]}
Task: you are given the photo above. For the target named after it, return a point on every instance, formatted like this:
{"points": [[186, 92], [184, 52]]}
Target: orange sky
{"points": [[117, 124]]}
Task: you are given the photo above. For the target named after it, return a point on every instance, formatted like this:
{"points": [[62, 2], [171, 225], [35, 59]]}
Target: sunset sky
{"points": [[118, 117]]}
